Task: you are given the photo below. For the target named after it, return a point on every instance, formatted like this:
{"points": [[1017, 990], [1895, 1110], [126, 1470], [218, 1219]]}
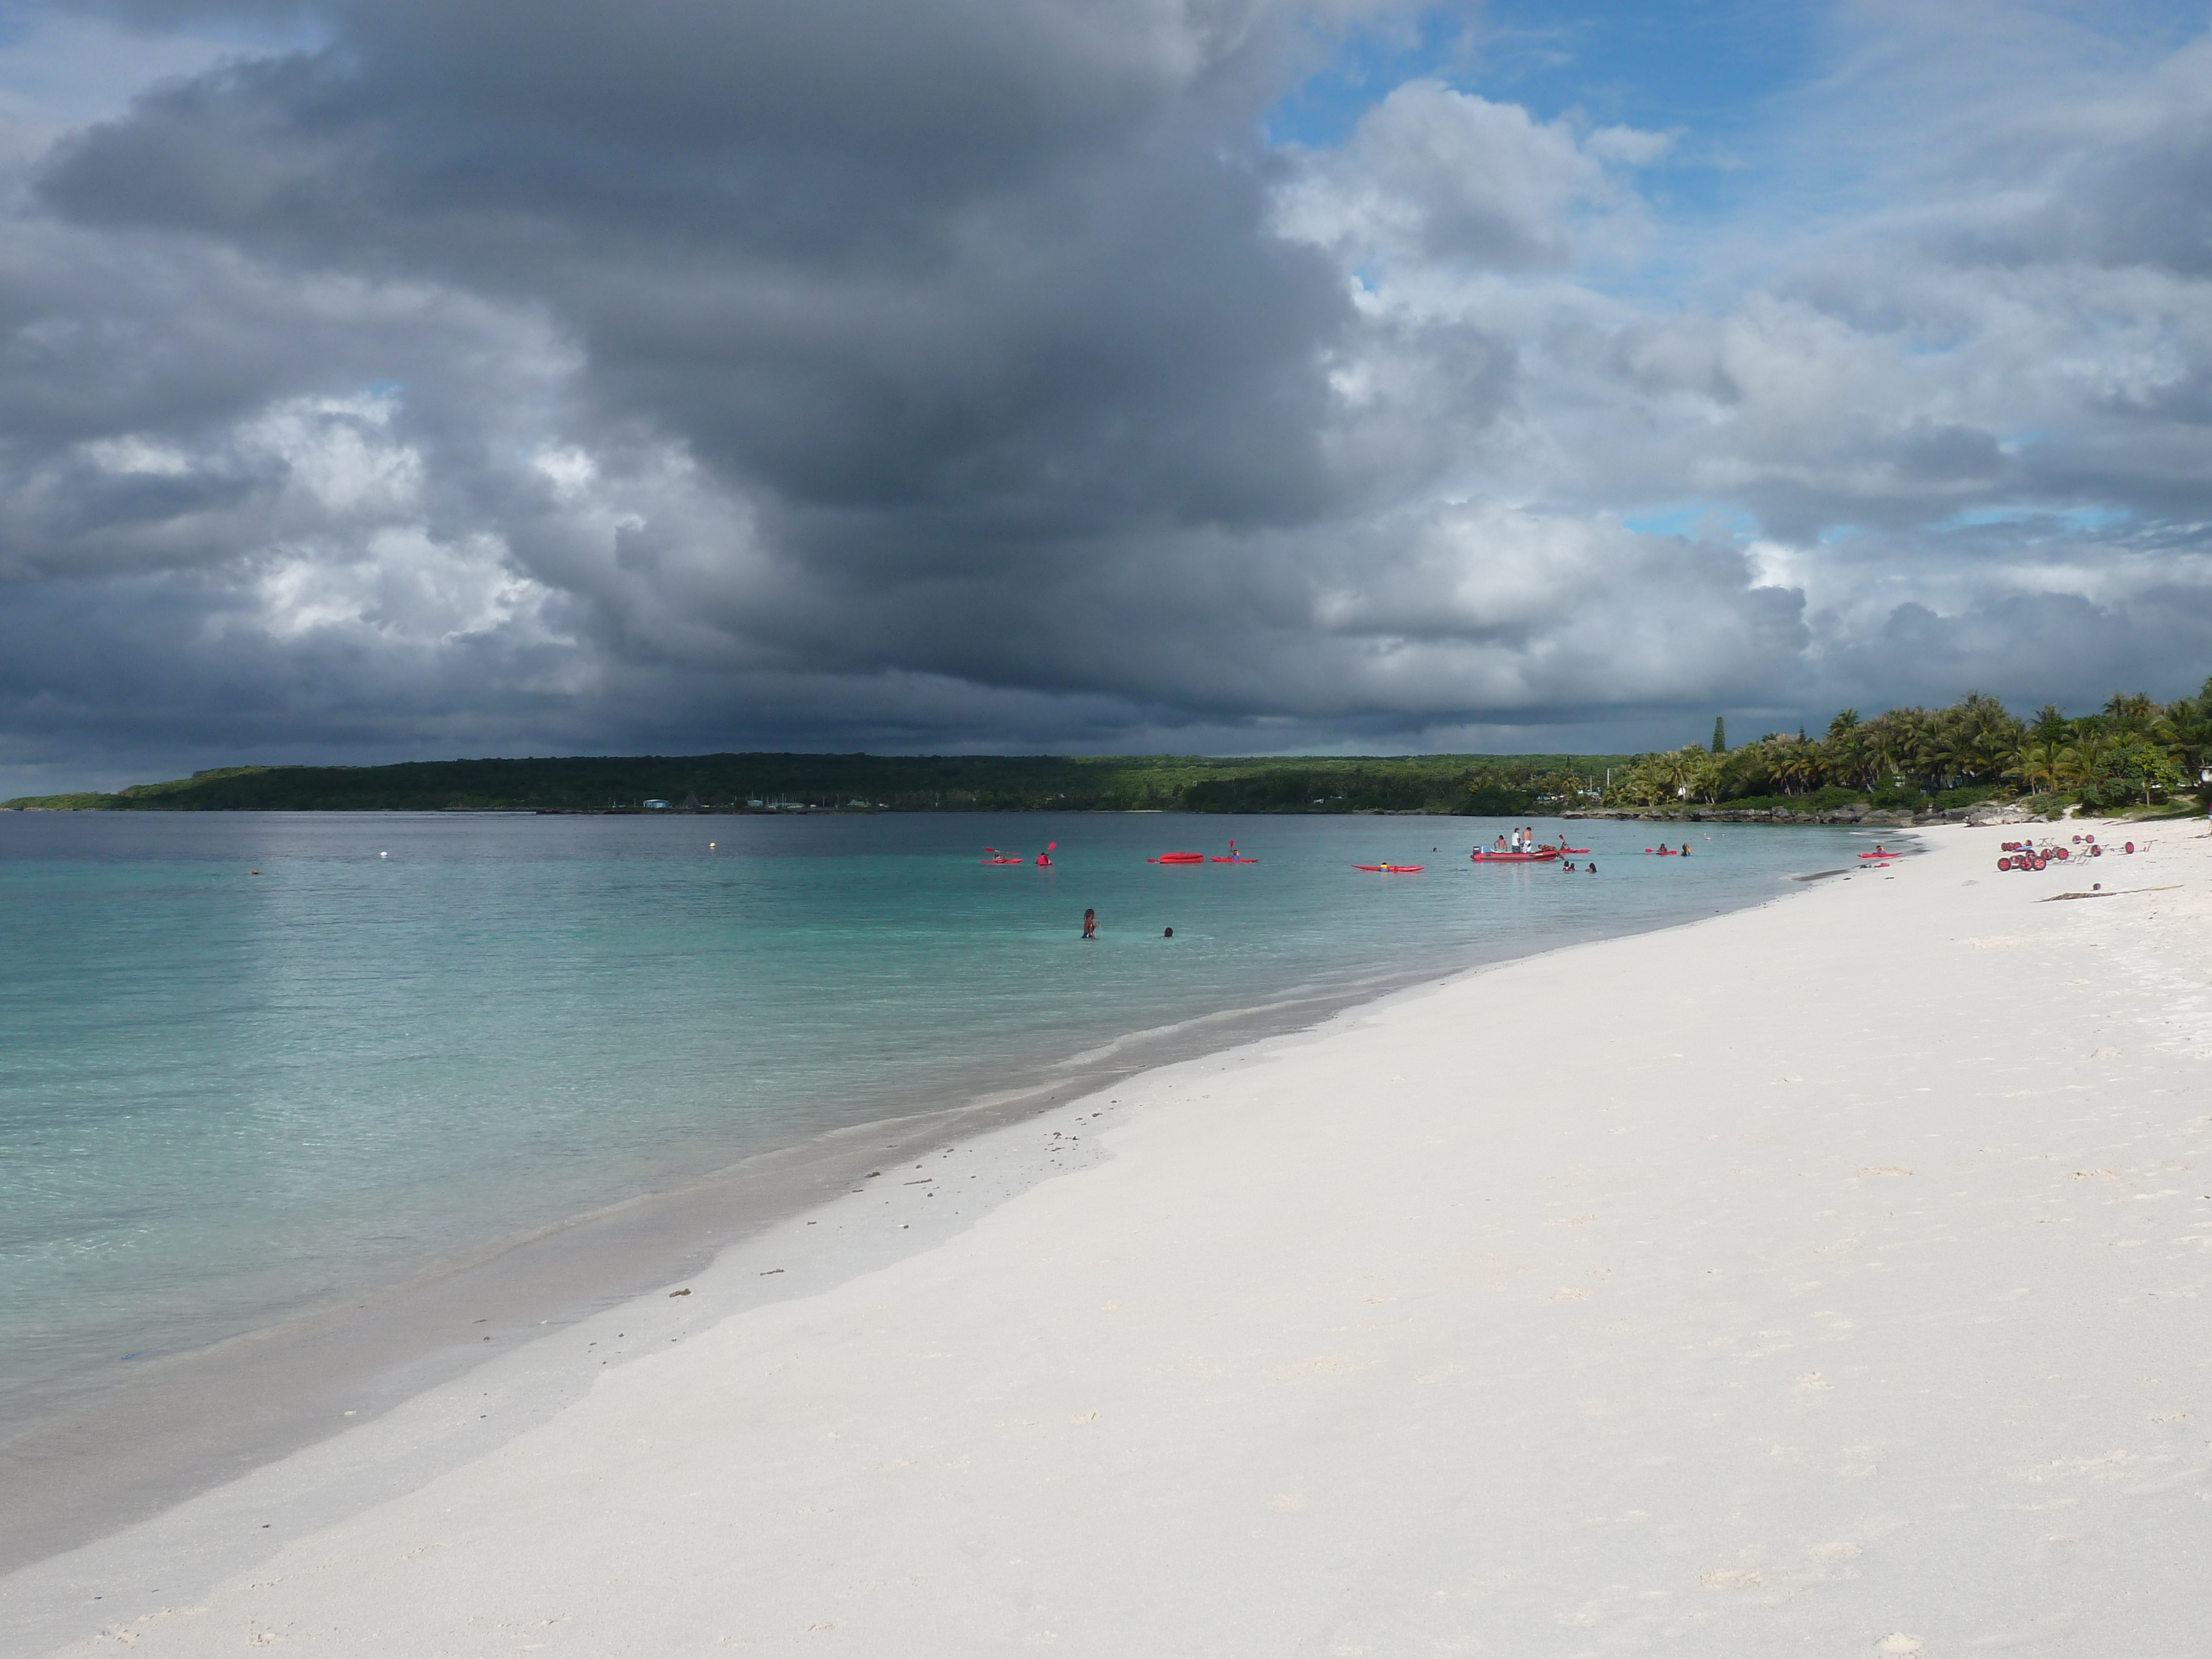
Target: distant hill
{"points": [[1430, 783]]}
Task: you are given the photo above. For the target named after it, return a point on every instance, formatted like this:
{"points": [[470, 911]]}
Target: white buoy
{"points": [[384, 855]]}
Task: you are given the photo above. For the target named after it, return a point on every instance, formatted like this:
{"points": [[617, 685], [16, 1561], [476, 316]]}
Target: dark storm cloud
{"points": [[983, 259]]}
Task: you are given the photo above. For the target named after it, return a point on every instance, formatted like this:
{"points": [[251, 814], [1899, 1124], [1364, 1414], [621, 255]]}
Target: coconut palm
{"points": [[1798, 764], [2033, 762], [2130, 711], [1889, 744], [2082, 763], [2183, 730], [1988, 753]]}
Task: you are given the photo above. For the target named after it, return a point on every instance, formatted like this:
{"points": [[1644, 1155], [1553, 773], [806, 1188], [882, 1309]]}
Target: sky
{"points": [[408, 378]]}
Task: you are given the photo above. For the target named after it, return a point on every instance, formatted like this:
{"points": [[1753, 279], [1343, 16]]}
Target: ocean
{"points": [[228, 1097]]}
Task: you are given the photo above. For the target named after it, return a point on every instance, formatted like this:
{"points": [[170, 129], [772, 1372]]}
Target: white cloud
{"points": [[1439, 175]]}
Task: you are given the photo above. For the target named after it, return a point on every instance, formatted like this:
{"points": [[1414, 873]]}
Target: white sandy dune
{"points": [[1824, 1278]]}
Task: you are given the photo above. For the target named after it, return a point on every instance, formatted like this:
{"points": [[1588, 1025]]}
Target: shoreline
{"points": [[95, 1468], [1296, 1143], [176, 1430]]}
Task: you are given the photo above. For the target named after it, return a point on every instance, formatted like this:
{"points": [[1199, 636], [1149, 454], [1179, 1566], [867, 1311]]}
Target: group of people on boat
{"points": [[1522, 843]]}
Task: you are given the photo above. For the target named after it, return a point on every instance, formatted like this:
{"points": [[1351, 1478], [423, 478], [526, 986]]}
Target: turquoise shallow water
{"points": [[225, 1097]]}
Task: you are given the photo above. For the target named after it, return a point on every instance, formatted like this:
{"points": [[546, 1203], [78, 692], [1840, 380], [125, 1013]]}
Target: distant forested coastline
{"points": [[2132, 754], [769, 783]]}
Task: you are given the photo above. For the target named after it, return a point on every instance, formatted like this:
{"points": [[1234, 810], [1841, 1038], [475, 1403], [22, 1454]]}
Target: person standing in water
{"points": [[1091, 925]]}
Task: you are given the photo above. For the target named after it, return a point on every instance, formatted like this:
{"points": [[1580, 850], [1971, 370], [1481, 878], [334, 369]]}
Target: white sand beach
{"points": [[1826, 1278]]}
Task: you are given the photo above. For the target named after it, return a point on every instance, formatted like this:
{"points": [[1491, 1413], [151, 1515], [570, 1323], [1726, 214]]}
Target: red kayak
{"points": [[1393, 869], [994, 856], [1882, 855], [1232, 858], [1178, 858], [1563, 849]]}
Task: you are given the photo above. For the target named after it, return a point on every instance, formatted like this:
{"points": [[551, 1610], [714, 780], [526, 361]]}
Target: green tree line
{"points": [[2133, 751]]}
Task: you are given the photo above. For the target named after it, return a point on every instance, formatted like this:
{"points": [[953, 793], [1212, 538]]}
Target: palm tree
{"points": [[1988, 753], [2032, 761], [1937, 744], [1881, 740], [1798, 764], [2184, 731], [2130, 711], [1889, 744], [1844, 754], [2082, 761]]}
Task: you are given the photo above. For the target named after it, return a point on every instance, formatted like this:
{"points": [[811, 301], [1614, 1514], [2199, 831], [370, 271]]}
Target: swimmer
{"points": [[1591, 866], [1686, 849], [1091, 925], [1169, 934]]}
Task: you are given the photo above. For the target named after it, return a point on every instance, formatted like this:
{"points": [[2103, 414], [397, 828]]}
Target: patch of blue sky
{"points": [[1707, 70], [2148, 29], [1699, 518], [1366, 65], [1693, 63]]}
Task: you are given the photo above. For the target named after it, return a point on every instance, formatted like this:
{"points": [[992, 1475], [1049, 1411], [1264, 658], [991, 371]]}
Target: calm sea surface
{"points": [[225, 1097]]}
